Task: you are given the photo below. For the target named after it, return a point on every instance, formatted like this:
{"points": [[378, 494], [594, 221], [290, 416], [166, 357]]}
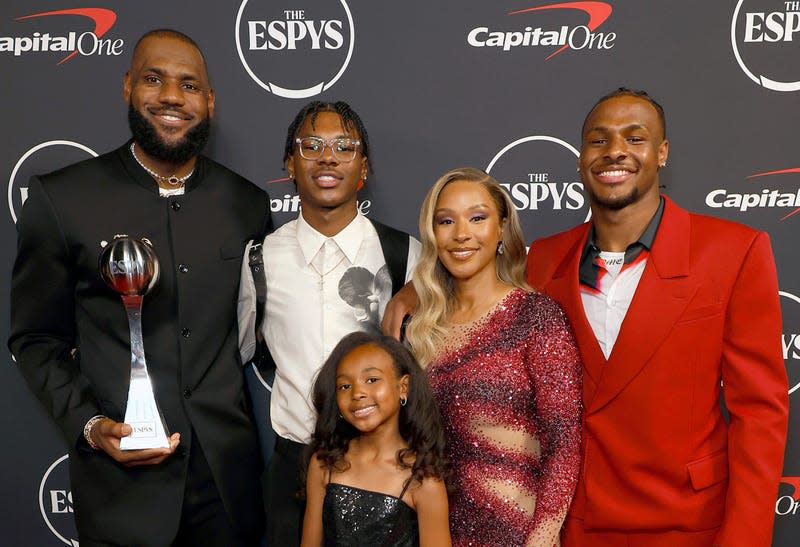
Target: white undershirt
{"points": [[167, 192], [607, 306]]}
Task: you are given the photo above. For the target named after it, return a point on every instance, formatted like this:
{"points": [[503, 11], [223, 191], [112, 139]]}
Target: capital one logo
{"points": [[286, 205], [55, 501], [788, 504], [764, 38], [546, 26], [72, 42], [539, 174], [295, 49], [767, 198], [790, 311], [41, 158]]}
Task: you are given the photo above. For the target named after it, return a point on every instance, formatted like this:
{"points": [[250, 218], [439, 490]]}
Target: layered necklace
{"points": [[171, 180]]}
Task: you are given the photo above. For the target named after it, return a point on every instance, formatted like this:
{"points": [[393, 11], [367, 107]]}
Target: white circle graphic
{"points": [[531, 138], [295, 93], [28, 154], [760, 79], [790, 296], [71, 543]]}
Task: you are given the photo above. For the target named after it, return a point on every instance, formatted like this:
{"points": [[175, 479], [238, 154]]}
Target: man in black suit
{"points": [[69, 331]]}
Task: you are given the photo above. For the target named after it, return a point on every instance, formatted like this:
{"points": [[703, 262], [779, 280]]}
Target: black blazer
{"points": [[60, 304]]}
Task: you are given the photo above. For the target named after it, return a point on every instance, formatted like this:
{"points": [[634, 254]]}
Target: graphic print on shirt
{"points": [[366, 293]]}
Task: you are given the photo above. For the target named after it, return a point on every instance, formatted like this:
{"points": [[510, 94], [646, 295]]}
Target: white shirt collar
{"points": [[348, 239]]}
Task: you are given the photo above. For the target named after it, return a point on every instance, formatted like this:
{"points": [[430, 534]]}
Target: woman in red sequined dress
{"points": [[503, 365]]}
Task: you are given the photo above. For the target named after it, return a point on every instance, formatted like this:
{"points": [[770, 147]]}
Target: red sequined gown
{"points": [[509, 389]]}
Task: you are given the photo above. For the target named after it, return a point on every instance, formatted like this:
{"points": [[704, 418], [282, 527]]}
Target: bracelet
{"points": [[87, 431]]}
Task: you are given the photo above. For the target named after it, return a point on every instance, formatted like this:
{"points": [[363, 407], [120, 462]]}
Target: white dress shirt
{"points": [[319, 289], [607, 305], [608, 281]]}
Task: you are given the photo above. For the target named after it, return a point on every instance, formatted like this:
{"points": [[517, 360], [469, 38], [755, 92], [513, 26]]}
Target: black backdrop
{"points": [[439, 84]]}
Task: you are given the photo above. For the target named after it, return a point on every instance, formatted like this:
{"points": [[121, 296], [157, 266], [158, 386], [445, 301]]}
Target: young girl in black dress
{"points": [[377, 471]]}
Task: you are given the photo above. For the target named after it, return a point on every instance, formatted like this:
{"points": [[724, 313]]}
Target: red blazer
{"points": [[657, 452]]}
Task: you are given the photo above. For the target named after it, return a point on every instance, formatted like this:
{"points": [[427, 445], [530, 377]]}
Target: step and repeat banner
{"points": [[502, 85]]}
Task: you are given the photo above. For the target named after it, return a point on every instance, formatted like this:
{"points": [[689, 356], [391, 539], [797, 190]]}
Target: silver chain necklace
{"points": [[172, 180]]}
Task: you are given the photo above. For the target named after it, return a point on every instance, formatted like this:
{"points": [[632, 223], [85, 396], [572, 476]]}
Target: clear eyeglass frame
{"points": [[343, 149]]}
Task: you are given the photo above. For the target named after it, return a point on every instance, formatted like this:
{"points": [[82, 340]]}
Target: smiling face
{"points": [[326, 183], [170, 98], [368, 389], [467, 227], [623, 146]]}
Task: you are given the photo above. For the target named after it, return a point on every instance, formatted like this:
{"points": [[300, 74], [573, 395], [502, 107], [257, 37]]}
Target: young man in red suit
{"points": [[670, 309]]}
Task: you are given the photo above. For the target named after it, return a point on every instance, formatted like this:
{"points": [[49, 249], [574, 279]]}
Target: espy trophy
{"points": [[130, 267]]}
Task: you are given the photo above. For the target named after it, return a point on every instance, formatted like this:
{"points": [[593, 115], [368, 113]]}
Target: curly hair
{"points": [[350, 120], [432, 281], [420, 423]]}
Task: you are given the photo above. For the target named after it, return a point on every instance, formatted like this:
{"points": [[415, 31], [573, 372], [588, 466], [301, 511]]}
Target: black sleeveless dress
{"points": [[352, 517]]}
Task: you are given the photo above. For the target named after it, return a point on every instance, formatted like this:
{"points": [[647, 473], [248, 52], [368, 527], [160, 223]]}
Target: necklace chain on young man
{"points": [[318, 262]]}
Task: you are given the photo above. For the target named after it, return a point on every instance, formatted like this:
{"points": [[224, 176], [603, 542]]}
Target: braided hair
{"points": [[350, 119]]}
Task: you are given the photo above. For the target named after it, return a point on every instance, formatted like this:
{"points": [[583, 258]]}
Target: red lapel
{"points": [[663, 293], [564, 288]]}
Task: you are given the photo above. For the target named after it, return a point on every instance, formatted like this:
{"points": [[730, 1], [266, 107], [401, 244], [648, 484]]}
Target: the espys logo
{"points": [[295, 49], [768, 198], [62, 39], [552, 31], [50, 155], [790, 312], [764, 38], [539, 173], [789, 503], [55, 501]]}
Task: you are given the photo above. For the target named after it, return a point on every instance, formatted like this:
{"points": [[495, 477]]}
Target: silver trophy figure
{"points": [[130, 267]]}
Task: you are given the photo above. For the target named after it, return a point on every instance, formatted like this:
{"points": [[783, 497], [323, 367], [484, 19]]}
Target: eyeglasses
{"points": [[312, 148]]}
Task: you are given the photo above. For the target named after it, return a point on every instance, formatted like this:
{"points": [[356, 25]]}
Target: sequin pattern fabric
{"points": [[354, 517], [509, 390]]}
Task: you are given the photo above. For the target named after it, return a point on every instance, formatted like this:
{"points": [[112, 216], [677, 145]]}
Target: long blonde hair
{"points": [[434, 284]]}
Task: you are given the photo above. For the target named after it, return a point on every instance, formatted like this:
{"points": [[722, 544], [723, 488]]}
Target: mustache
{"points": [[172, 111], [146, 136]]}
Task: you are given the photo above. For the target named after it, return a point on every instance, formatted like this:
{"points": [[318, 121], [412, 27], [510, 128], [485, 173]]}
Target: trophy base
{"points": [[144, 435], [142, 414]]}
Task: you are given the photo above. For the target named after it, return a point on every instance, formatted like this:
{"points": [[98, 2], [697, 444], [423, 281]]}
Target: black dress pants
{"points": [[204, 521], [284, 481]]}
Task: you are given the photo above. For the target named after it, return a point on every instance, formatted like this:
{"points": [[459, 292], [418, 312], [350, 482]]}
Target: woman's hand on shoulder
{"points": [[403, 303]]}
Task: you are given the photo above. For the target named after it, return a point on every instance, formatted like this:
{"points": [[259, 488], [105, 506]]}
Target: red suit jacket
{"points": [[657, 452]]}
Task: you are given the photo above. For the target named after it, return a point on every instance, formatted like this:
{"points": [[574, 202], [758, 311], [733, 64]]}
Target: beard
{"points": [[146, 136], [617, 202]]}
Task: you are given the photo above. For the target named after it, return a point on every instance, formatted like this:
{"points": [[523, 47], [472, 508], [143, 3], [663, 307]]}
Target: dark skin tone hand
{"points": [[403, 303], [107, 433]]}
